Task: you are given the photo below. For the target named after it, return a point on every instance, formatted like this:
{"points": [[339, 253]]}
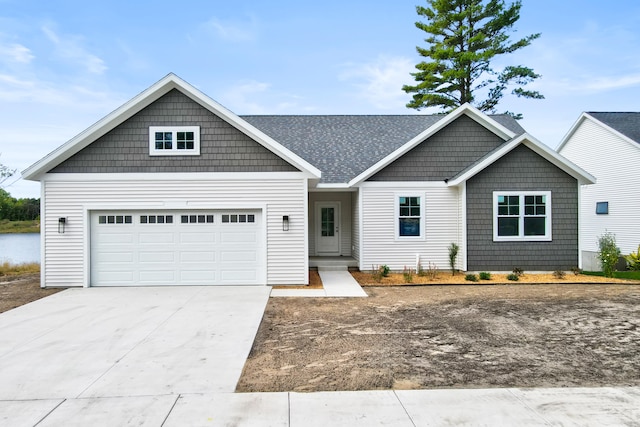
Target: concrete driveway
{"points": [[146, 344]]}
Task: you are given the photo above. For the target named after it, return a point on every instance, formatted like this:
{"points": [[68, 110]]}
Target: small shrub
{"points": [[608, 253], [514, 277], [518, 271], [576, 270], [633, 260], [471, 278], [484, 275], [376, 274], [559, 274], [453, 254], [407, 273], [384, 270], [432, 271]]}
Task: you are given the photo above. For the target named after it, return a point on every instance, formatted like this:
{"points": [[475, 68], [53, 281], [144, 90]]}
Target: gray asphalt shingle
{"points": [[627, 123], [343, 146]]}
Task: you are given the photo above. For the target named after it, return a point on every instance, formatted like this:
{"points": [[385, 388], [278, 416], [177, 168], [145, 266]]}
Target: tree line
{"points": [[13, 209]]}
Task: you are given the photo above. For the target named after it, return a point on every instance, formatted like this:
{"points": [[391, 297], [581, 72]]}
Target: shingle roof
{"points": [[627, 124], [342, 147]]}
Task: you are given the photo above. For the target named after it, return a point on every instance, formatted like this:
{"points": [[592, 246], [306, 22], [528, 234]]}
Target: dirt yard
{"points": [[450, 336], [18, 290]]}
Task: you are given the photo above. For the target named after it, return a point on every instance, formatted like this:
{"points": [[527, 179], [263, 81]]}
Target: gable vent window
{"points": [[602, 208], [174, 140]]}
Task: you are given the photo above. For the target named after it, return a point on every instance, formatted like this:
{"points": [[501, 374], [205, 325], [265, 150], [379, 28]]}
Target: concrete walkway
{"points": [[172, 357], [336, 282]]}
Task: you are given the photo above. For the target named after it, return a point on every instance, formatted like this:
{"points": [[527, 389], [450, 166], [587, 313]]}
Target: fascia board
{"points": [[142, 100], [467, 109], [536, 146], [572, 130]]}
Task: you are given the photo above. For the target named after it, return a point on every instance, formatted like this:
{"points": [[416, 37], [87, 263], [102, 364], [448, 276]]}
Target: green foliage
{"points": [[471, 278], [18, 209], [629, 275], [407, 273], [518, 271], [559, 274], [513, 277], [384, 270], [608, 253], [633, 260], [484, 275], [453, 254], [463, 37], [7, 227]]}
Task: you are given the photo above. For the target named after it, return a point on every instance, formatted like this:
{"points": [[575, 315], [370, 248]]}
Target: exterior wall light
{"points": [[285, 223], [62, 222]]}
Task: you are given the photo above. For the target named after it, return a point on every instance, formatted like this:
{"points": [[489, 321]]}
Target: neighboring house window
{"points": [[410, 216], [602, 208], [174, 140], [524, 216]]}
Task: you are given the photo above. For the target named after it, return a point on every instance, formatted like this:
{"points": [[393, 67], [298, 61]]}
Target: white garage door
{"points": [[177, 248]]}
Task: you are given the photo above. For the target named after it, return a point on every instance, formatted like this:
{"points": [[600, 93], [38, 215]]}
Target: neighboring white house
{"points": [[607, 144], [172, 188]]}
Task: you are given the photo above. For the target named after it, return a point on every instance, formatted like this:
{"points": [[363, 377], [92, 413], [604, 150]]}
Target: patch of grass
{"points": [[9, 269], [9, 227], [629, 275]]}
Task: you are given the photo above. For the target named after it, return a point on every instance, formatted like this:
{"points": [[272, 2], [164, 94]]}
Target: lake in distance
{"points": [[20, 248]]}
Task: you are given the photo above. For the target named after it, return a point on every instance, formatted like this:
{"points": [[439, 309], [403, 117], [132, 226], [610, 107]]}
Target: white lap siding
{"points": [[379, 242], [65, 256]]}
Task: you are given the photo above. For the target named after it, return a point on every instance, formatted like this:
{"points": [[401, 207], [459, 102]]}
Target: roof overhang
{"points": [[466, 109], [586, 116], [144, 99], [536, 146]]}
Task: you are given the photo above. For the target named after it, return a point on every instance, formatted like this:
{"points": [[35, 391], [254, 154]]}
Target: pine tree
{"points": [[464, 36]]}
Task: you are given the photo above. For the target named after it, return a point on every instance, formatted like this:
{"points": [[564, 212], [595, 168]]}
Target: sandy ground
{"points": [[18, 290], [450, 336]]}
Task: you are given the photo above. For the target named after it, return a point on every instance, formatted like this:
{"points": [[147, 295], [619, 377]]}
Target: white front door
{"points": [[328, 228]]}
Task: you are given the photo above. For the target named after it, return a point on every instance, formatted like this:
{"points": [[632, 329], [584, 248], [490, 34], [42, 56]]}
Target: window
{"points": [[409, 216], [114, 219], [174, 140], [602, 208], [522, 216], [238, 218]]}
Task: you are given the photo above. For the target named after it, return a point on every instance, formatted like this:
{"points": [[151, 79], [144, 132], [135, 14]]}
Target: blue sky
{"points": [[65, 64]]}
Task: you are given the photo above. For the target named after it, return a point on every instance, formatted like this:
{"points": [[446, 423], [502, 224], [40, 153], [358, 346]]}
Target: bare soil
{"points": [[21, 289], [440, 336]]}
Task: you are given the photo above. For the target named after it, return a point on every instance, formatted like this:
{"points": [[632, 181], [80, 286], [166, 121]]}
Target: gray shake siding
{"points": [[522, 169], [444, 154], [223, 148]]}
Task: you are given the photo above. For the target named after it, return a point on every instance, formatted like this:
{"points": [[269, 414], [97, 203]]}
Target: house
{"points": [[608, 146], [173, 188]]}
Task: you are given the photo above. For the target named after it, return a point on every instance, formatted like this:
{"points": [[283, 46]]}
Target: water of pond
{"points": [[20, 248]]}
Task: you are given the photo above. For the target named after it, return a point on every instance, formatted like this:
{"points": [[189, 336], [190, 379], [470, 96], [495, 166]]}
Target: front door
{"points": [[328, 228]]}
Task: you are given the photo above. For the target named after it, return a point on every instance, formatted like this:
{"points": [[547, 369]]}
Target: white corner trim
{"points": [[467, 109]]}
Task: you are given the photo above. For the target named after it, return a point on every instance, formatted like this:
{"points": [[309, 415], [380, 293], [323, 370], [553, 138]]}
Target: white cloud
{"points": [[70, 48], [232, 31], [15, 53], [254, 97], [380, 82]]}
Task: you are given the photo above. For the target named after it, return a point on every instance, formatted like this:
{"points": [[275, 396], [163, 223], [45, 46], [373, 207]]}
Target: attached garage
{"points": [[195, 247]]}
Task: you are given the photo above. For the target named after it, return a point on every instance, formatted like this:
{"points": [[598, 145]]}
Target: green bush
{"points": [[471, 278], [513, 277], [633, 260], [484, 275], [384, 270], [453, 254], [608, 253]]}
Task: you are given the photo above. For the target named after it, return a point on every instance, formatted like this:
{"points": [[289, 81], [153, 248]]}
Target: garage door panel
{"points": [[197, 257], [197, 238], [177, 247], [156, 238], [233, 236]]}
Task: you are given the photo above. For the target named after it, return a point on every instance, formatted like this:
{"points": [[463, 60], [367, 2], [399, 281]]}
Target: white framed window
{"points": [[521, 216], [174, 140], [409, 213]]}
